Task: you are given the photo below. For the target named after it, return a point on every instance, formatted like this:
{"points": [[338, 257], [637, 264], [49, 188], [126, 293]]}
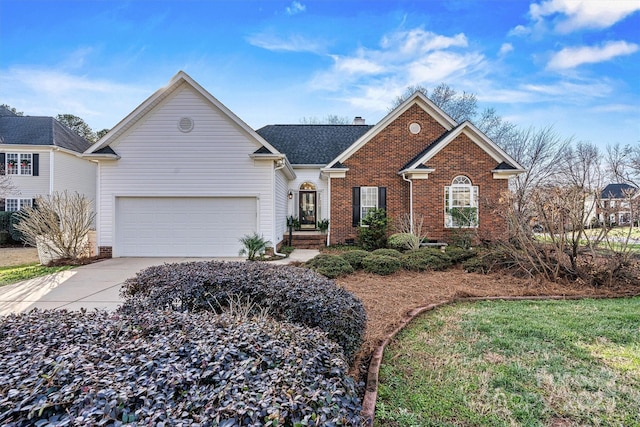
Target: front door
{"points": [[307, 212]]}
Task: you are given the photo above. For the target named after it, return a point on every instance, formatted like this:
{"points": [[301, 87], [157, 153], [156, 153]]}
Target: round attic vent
{"points": [[414, 128], [185, 124]]}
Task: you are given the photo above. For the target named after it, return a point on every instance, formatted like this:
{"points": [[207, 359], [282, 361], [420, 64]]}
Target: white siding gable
{"points": [[158, 159]]}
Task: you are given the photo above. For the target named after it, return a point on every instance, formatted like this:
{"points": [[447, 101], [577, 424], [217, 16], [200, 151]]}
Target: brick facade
{"points": [[378, 162]]}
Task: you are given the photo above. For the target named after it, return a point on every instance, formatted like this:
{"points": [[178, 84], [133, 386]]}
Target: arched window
{"points": [[461, 204]]}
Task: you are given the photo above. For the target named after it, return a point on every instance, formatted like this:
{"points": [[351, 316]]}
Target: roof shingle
{"points": [[312, 144]]}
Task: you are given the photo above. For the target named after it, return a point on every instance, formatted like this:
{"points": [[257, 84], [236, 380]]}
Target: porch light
{"points": [[290, 194]]}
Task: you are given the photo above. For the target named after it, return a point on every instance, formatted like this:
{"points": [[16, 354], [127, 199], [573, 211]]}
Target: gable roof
{"points": [[39, 131], [504, 160], [418, 98], [617, 191], [150, 103], [312, 144]]}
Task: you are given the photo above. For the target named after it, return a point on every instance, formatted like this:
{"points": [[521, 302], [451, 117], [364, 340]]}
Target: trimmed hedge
{"points": [[330, 265], [426, 259], [381, 264], [168, 368], [458, 254], [355, 257], [297, 295], [387, 252]]}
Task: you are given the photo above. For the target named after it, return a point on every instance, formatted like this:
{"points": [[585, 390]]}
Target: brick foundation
{"points": [[105, 252]]}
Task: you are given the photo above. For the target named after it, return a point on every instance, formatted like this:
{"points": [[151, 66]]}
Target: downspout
{"points": [[329, 211], [279, 165], [410, 200]]}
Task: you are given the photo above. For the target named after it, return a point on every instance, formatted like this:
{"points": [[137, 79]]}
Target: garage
{"points": [[183, 226]]}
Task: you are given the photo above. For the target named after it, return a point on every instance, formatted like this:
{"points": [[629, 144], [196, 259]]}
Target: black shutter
{"points": [[35, 171], [33, 203], [382, 198], [356, 207], [2, 165], [2, 205]]}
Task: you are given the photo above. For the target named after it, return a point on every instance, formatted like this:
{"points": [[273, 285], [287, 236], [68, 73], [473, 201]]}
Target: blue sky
{"points": [[571, 64]]}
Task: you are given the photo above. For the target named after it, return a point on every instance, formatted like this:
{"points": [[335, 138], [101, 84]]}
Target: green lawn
{"points": [[564, 363], [9, 275]]}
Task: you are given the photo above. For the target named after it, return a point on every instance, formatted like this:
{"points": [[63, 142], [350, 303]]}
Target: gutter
{"points": [[410, 200]]}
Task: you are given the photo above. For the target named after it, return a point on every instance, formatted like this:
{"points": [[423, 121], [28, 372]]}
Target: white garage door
{"points": [[183, 226]]}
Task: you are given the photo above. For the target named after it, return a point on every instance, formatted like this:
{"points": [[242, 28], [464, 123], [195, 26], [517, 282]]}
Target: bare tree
{"points": [[412, 226], [459, 107], [624, 163], [61, 222], [330, 119], [6, 185], [541, 152]]}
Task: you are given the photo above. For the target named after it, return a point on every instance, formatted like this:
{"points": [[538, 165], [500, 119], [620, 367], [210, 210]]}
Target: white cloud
{"points": [[48, 92], [572, 57], [581, 14], [295, 8], [291, 43], [369, 78], [356, 65], [505, 48], [520, 31]]}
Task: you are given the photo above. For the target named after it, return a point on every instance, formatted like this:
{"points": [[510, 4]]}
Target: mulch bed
{"points": [[388, 299]]}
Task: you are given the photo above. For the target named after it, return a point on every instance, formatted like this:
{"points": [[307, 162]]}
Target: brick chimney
{"points": [[358, 120]]}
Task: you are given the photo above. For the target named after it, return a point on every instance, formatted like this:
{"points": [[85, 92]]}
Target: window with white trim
{"points": [[19, 164], [368, 200], [14, 205], [461, 204]]}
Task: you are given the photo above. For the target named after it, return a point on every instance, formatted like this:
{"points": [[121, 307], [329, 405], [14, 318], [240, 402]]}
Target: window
{"points": [[461, 204], [368, 200], [19, 164], [14, 205]]}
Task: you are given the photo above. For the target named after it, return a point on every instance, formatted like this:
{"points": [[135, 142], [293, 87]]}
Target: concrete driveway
{"points": [[93, 286]]}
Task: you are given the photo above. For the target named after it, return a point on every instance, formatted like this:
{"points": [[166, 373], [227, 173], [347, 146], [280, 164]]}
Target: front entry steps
{"points": [[306, 239]]}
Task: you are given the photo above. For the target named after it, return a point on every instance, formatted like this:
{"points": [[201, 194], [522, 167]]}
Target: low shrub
{"points": [[294, 294], [355, 257], [169, 368], [329, 265], [425, 259], [381, 264], [388, 252], [403, 241], [477, 265], [458, 254]]}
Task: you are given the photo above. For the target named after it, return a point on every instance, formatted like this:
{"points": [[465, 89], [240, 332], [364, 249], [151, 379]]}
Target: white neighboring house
{"points": [[41, 156], [182, 175]]}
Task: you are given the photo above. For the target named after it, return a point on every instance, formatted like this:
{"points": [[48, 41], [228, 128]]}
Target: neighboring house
{"points": [[41, 156], [184, 176], [619, 204]]}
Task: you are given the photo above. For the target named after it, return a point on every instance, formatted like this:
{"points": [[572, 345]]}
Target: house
{"points": [[182, 175], [619, 204], [41, 156], [416, 161]]}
